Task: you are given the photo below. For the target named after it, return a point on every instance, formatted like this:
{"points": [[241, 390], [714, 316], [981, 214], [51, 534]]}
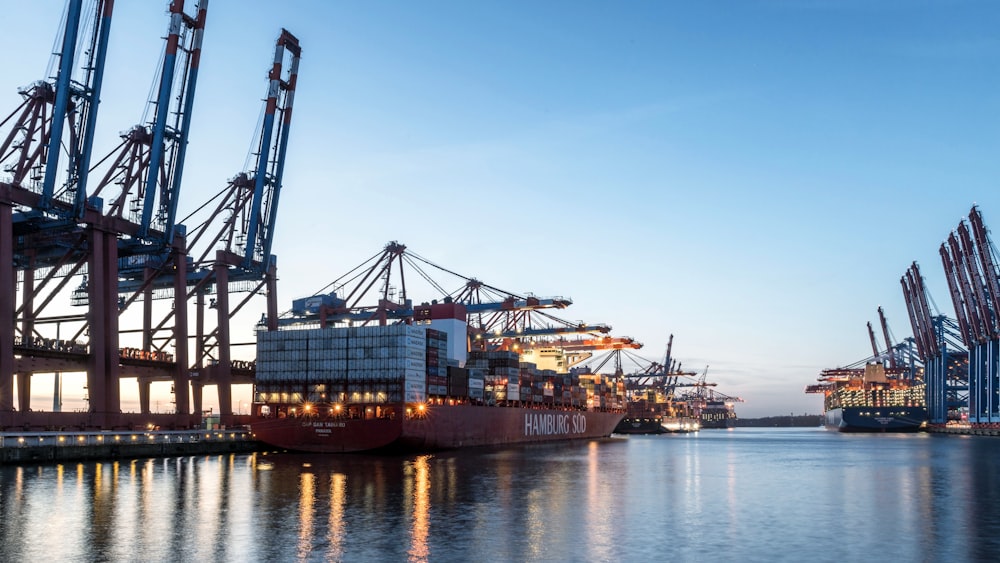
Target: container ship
{"points": [[870, 401], [651, 412], [718, 414], [417, 387]]}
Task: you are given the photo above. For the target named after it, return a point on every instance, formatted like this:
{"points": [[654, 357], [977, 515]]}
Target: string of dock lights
{"points": [[30, 439]]}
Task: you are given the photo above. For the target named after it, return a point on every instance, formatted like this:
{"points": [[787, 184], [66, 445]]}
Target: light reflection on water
{"points": [[744, 495], [419, 493]]}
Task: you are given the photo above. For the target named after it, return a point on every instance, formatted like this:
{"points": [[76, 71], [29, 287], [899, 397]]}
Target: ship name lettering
{"points": [[547, 424], [324, 425]]}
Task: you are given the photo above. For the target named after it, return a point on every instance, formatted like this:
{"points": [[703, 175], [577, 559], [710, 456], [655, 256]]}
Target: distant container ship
{"points": [[870, 401], [718, 414], [416, 387], [649, 413]]}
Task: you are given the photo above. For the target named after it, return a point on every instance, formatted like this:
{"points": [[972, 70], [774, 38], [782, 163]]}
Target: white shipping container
{"points": [[476, 383], [414, 397]]}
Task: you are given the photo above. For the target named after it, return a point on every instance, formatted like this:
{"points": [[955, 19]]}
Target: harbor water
{"points": [[739, 495]]}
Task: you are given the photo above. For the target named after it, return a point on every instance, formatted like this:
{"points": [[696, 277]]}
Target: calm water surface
{"points": [[739, 495]]}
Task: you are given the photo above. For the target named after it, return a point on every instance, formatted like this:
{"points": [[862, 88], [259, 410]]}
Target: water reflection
{"points": [[598, 522], [335, 523], [307, 496], [816, 496], [419, 490]]}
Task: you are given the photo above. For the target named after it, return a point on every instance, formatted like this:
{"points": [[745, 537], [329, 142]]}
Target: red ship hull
{"points": [[438, 427]]}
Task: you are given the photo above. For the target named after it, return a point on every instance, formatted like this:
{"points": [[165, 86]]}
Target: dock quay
{"points": [[963, 430], [43, 447]]}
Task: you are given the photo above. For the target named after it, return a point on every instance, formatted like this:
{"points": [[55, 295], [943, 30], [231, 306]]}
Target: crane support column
{"points": [[223, 371], [145, 385], [147, 338], [197, 386], [27, 332], [8, 279], [103, 364], [182, 377], [272, 295]]}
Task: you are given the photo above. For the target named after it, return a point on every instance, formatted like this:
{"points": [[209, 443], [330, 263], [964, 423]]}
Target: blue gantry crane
{"points": [[42, 195], [231, 247]]}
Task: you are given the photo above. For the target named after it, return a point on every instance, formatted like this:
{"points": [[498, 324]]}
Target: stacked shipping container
{"points": [[359, 364], [507, 379], [437, 357], [389, 364]]}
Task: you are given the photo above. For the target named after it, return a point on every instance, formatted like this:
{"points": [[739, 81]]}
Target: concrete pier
{"points": [[44, 447], [963, 430]]}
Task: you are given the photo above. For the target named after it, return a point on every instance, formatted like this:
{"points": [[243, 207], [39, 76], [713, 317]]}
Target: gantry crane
{"points": [[567, 352], [651, 389], [144, 254], [382, 279], [119, 233], [705, 398], [231, 247], [42, 199]]}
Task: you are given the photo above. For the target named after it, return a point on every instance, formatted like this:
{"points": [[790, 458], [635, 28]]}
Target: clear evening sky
{"points": [[751, 176]]}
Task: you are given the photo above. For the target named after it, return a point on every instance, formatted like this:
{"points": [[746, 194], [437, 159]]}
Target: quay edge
{"points": [[964, 429], [56, 447]]}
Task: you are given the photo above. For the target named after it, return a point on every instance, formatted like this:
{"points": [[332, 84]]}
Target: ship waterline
{"points": [[434, 427]]}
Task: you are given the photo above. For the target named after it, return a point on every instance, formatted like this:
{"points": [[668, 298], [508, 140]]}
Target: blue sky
{"points": [[751, 176]]}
